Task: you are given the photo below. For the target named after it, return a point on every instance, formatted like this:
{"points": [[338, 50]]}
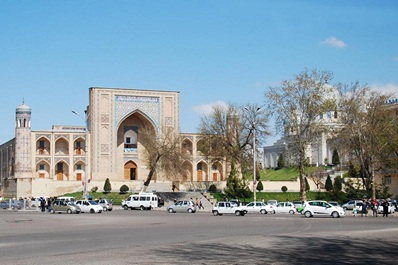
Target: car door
{"points": [[229, 208], [280, 208], [250, 208]]}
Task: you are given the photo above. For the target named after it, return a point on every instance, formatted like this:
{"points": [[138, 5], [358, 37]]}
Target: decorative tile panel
{"points": [[150, 106]]}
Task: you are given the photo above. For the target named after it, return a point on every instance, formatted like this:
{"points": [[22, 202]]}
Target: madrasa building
{"points": [[68, 159]]}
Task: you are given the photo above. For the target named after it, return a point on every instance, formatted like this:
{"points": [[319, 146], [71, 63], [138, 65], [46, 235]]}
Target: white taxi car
{"points": [[221, 208], [258, 207], [88, 206], [322, 208]]}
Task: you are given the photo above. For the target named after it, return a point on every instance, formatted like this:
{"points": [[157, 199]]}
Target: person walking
{"points": [[364, 211], [201, 204], [354, 211]]}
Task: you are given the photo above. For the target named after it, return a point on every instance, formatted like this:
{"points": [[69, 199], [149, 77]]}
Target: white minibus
{"points": [[143, 201]]}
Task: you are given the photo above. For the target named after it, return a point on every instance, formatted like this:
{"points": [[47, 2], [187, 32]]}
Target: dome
{"points": [[24, 109]]}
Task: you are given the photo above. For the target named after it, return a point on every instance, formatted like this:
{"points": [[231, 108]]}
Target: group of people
{"points": [[374, 206]]}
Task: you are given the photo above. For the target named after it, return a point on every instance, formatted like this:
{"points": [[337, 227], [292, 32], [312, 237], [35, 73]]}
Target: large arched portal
{"points": [[131, 148]]}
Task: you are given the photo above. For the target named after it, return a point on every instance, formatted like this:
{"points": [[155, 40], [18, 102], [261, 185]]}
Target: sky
{"points": [[230, 51]]}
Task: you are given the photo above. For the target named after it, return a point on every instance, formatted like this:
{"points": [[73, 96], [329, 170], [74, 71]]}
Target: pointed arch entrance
{"points": [[130, 170]]}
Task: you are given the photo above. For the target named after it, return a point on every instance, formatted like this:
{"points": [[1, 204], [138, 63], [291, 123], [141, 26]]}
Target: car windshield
{"points": [[93, 203]]}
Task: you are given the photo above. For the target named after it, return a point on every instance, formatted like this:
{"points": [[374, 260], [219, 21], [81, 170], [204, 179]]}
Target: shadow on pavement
{"points": [[287, 250]]}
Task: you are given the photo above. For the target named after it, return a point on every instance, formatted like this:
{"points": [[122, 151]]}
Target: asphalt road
{"points": [[158, 237]]}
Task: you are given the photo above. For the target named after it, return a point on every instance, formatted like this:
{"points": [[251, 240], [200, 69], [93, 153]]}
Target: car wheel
{"points": [[190, 210], [92, 211], [52, 211], [307, 214], [105, 209], [263, 211], [125, 207], [215, 213], [291, 212], [273, 212], [142, 207], [345, 209], [335, 215], [237, 213], [171, 210], [69, 211]]}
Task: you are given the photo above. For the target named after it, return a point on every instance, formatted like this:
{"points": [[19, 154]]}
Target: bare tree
{"points": [[317, 177], [228, 133], [370, 131], [297, 105], [161, 152]]}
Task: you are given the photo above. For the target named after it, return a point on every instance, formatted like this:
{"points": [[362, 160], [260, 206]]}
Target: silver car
{"points": [[182, 206], [106, 204]]}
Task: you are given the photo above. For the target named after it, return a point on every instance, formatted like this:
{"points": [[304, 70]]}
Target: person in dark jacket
{"points": [[385, 208]]}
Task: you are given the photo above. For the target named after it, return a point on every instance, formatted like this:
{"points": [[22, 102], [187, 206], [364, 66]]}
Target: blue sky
{"points": [[51, 52]]}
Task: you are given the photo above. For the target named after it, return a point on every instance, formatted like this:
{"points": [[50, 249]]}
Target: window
{"points": [[41, 144], [41, 167], [78, 144], [79, 167], [387, 180], [128, 140], [335, 114]]}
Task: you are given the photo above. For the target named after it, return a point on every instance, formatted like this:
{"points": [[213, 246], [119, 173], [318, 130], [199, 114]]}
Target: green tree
{"points": [[297, 104], [328, 184], [338, 184], [281, 161], [260, 186], [307, 185], [335, 158], [107, 185], [237, 187]]}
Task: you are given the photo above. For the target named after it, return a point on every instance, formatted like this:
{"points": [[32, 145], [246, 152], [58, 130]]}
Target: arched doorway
{"points": [[130, 170]]}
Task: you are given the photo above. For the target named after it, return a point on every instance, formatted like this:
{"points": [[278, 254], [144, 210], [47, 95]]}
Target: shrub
{"points": [[212, 188], [328, 184], [260, 186], [94, 189], [307, 185], [107, 185], [124, 188], [284, 188]]}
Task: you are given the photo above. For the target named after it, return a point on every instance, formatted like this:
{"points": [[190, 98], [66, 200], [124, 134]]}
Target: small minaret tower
{"points": [[23, 163]]}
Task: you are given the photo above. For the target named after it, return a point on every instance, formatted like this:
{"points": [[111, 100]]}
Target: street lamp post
{"points": [[85, 153], [254, 151]]}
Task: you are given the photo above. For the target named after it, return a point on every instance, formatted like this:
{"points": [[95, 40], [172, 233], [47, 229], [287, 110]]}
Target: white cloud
{"points": [[388, 88], [332, 41], [207, 109]]}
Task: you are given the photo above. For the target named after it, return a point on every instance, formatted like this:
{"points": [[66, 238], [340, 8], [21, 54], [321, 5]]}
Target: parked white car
{"points": [[258, 207], [221, 208], [391, 208], [285, 207], [87, 206], [322, 208]]}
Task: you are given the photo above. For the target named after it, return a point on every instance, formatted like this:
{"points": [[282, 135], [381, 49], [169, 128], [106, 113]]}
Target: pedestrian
{"points": [[42, 204], [385, 208], [354, 211], [364, 211], [375, 207], [201, 204]]}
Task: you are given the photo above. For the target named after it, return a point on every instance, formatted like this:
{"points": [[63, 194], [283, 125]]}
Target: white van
{"points": [[143, 201], [67, 199]]}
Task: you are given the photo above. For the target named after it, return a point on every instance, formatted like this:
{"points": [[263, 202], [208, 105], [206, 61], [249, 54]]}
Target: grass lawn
{"points": [[283, 174]]}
